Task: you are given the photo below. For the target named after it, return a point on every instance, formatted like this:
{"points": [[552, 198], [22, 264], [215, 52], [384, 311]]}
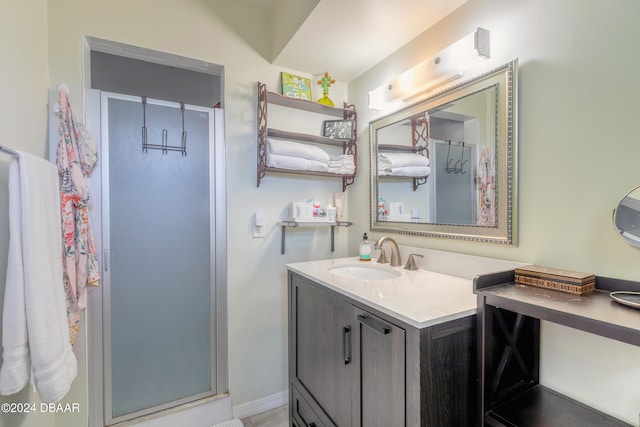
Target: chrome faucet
{"points": [[395, 251]]}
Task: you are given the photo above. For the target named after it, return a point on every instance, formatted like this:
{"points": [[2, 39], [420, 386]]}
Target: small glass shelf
{"points": [[296, 224]]}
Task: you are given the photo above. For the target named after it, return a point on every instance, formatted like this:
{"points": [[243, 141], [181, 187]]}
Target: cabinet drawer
{"points": [[304, 414]]}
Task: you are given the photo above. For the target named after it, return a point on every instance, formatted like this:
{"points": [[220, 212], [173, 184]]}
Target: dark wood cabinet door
{"points": [[322, 350], [381, 360], [450, 376]]}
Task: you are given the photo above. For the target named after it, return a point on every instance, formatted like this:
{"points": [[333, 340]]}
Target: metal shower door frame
{"points": [[98, 313]]}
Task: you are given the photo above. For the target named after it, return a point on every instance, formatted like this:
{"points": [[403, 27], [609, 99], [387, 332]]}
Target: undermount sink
{"points": [[365, 272]]}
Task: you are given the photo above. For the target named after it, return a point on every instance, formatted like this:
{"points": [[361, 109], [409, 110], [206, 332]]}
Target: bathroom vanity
{"points": [[380, 346]]}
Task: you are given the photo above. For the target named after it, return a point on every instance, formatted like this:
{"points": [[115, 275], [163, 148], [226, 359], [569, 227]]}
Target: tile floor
{"points": [[278, 417]]}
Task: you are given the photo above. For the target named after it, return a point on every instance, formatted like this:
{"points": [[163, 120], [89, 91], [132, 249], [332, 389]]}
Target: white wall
{"points": [[577, 157]]}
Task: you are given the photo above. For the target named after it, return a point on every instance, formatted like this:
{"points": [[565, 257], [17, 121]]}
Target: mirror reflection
{"points": [[444, 167], [626, 217], [437, 166]]}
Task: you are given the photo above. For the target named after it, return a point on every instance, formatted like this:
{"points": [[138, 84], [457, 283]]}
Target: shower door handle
{"points": [[105, 259]]}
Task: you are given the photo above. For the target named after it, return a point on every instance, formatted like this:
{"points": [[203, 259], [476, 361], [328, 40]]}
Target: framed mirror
{"points": [[626, 217], [446, 166]]}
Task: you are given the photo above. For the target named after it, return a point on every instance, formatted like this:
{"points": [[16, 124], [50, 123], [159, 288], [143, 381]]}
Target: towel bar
{"points": [[8, 151]]}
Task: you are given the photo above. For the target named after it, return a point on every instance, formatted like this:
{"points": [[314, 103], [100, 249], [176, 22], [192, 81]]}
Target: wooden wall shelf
{"points": [[348, 146]]}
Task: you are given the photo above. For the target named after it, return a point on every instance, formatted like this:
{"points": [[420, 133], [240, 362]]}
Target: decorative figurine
{"points": [[325, 82]]}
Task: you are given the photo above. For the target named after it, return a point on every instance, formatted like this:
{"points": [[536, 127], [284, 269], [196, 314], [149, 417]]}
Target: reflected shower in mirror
{"points": [[445, 167], [626, 217]]}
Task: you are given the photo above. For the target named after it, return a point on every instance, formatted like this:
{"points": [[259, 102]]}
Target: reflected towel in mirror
{"points": [[411, 171], [396, 160]]}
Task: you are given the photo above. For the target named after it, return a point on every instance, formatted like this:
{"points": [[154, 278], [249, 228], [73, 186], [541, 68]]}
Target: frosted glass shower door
{"points": [[454, 194], [159, 299]]}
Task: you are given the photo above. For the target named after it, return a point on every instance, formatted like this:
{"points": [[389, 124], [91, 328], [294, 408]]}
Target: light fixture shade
{"points": [[443, 68], [482, 43]]}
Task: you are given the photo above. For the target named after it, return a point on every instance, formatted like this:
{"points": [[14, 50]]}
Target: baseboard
{"points": [[263, 404]]}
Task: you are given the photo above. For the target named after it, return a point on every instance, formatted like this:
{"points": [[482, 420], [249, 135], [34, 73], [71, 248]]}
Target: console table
{"points": [[508, 319]]}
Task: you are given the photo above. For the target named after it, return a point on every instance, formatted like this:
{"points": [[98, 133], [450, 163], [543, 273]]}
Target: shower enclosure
{"points": [[158, 322], [453, 169]]}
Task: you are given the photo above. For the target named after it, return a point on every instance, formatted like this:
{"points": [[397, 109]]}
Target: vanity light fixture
{"points": [[445, 67]]}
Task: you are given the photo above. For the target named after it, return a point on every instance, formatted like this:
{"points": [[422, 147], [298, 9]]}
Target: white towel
{"points": [[343, 169], [343, 157], [295, 163], [296, 149], [35, 334], [394, 160], [411, 171], [342, 165], [342, 160], [232, 423]]}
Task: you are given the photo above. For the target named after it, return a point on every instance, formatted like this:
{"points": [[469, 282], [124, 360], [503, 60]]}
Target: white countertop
{"points": [[419, 298]]}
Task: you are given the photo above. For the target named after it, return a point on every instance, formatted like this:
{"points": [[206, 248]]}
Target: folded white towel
{"points": [[343, 157], [295, 163], [342, 170], [338, 163], [394, 160], [296, 149], [410, 171], [233, 423], [342, 164], [35, 331]]}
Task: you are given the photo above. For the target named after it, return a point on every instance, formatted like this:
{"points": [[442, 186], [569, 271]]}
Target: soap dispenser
{"points": [[365, 249]]}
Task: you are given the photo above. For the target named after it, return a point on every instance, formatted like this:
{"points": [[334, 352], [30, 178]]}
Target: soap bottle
{"points": [[365, 249], [331, 213]]}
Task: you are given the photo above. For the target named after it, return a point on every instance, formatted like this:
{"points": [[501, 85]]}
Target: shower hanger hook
{"points": [[164, 145]]}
